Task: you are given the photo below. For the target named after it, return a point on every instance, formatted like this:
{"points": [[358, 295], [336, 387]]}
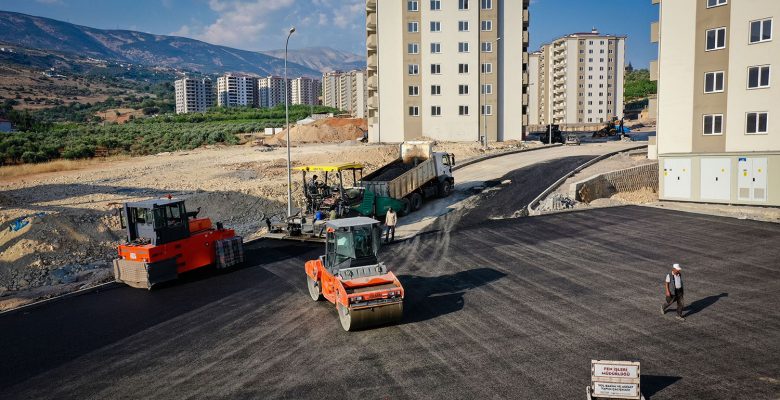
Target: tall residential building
{"points": [[193, 95], [235, 90], [437, 68], [578, 79], [718, 111], [347, 91], [305, 91], [272, 90]]}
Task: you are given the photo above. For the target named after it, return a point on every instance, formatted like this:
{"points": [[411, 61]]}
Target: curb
{"points": [[478, 159], [529, 209], [35, 304]]}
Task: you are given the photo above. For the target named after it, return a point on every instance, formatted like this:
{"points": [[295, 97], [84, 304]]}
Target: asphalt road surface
{"points": [[512, 308]]}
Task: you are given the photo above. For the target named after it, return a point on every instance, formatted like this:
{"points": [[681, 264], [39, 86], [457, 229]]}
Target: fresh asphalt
{"points": [[495, 308]]}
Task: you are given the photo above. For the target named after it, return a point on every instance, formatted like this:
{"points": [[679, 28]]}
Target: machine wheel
{"points": [[315, 291], [407, 208], [416, 201], [445, 189]]}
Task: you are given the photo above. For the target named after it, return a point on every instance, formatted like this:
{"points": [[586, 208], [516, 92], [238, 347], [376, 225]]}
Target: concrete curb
{"points": [[35, 304], [475, 160], [530, 207]]}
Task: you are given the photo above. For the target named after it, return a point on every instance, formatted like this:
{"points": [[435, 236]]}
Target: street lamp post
{"points": [[287, 122]]}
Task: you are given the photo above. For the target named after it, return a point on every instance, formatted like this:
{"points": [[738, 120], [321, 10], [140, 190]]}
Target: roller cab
{"points": [[350, 276]]}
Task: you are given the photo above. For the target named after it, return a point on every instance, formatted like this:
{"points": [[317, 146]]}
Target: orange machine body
{"points": [[194, 252], [358, 293]]}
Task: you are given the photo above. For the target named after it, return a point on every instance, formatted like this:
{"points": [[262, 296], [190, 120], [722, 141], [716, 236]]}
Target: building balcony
{"points": [[373, 82], [525, 99], [654, 70], [655, 33], [371, 61], [371, 22], [371, 41], [371, 5]]}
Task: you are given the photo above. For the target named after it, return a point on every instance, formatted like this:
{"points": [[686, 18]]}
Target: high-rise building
{"points": [[718, 138], [272, 90], [450, 70], [193, 95], [305, 90], [234, 91], [577, 79], [347, 91]]}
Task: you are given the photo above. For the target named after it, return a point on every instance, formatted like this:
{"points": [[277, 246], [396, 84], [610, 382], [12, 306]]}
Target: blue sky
{"points": [[262, 24]]}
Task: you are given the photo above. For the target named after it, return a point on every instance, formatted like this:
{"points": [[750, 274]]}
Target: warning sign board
{"points": [[615, 380]]}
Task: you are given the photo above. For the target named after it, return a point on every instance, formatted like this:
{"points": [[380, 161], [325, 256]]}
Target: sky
{"points": [[263, 24]]}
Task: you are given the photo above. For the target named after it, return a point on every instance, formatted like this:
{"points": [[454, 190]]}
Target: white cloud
{"points": [[240, 23]]}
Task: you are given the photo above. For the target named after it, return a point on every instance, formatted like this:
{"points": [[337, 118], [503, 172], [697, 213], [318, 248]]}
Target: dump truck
{"points": [[165, 240], [418, 174], [351, 277]]}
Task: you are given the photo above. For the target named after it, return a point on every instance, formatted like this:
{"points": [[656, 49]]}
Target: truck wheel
{"points": [[407, 207], [416, 201], [445, 189], [315, 291]]}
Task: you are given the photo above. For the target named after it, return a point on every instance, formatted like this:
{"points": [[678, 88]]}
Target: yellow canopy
{"points": [[330, 167]]}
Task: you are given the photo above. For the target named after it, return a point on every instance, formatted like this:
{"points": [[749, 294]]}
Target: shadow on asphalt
{"points": [[652, 384], [699, 305], [431, 297]]}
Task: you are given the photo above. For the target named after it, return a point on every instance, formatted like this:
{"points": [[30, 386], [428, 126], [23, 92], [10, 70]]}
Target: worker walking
{"points": [[391, 219], [674, 289]]}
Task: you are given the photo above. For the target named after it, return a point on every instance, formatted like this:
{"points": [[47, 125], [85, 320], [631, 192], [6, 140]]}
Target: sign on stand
{"points": [[614, 380]]}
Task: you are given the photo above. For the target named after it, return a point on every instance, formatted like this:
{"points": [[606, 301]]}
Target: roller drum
{"points": [[352, 320]]}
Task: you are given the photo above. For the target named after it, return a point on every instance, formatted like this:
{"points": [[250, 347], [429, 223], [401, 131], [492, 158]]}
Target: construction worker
{"points": [[674, 291], [313, 185], [391, 219]]}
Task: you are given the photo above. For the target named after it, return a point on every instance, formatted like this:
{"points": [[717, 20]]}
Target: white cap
{"points": [[677, 267]]}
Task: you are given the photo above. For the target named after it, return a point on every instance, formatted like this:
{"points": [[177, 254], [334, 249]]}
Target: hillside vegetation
{"points": [[638, 85]]}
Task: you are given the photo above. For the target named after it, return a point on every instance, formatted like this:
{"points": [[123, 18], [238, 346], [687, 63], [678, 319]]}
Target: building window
{"points": [[487, 47], [435, 48], [716, 39], [463, 89], [761, 31], [487, 25], [414, 90], [757, 123], [414, 111], [463, 4], [435, 5], [435, 26], [436, 69], [463, 110], [436, 111], [713, 124], [414, 27], [463, 68], [487, 109], [487, 68], [463, 47], [487, 4], [414, 69], [463, 26], [714, 82], [487, 88], [715, 3], [413, 48], [412, 6], [582, 60], [435, 90], [758, 77]]}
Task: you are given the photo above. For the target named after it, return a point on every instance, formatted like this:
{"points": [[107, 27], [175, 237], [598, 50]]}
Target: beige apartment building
{"points": [[193, 95], [271, 90], [305, 90], [347, 91], [237, 91], [718, 109], [577, 79], [444, 69]]}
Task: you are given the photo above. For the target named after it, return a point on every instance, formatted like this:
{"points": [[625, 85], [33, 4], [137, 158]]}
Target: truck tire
{"points": [[407, 207], [416, 201], [445, 188]]}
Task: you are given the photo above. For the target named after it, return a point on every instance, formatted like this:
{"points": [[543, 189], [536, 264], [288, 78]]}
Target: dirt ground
{"points": [[72, 229]]}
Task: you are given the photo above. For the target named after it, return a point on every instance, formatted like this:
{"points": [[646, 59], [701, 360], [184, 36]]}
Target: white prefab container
{"points": [[716, 179], [677, 178], [752, 179]]}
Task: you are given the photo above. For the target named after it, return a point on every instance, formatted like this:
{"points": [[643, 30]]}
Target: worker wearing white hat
{"points": [[674, 291]]}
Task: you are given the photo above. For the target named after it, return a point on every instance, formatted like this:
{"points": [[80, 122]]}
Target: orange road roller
{"points": [[350, 276]]}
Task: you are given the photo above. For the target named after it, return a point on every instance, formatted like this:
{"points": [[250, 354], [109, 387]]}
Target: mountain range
{"points": [[165, 51]]}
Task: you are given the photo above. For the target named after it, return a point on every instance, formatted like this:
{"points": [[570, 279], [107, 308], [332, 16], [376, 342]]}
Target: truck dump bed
{"points": [[406, 174]]}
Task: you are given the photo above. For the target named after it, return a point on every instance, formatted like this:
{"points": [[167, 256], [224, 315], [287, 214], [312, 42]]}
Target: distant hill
{"points": [[323, 59], [139, 48]]}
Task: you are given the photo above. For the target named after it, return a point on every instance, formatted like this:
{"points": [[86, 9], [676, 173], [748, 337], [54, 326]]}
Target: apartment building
{"points": [[305, 90], [193, 95], [453, 70], [236, 91], [272, 90], [718, 111], [577, 79], [347, 91]]}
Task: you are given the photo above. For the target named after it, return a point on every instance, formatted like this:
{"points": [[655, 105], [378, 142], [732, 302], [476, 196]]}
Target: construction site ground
{"points": [[510, 308]]}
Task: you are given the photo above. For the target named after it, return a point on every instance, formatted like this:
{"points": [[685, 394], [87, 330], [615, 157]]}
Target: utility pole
{"points": [[287, 121]]}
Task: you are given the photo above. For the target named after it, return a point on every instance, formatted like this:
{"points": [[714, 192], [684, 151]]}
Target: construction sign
{"points": [[614, 380]]}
